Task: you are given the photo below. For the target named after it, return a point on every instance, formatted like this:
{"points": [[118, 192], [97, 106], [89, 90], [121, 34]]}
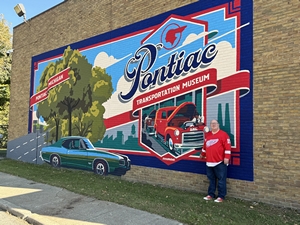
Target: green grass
{"points": [[184, 206]]}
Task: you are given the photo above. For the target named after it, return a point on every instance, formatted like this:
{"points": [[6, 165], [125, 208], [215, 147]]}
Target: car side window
{"points": [[71, 144], [83, 144], [66, 143], [87, 144], [75, 144]]}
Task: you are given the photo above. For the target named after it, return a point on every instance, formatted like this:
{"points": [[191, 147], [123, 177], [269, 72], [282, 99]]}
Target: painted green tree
{"points": [[78, 100], [75, 93], [91, 123], [47, 108]]}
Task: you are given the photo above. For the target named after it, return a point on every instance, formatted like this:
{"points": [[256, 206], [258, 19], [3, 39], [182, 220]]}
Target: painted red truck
{"points": [[174, 127]]}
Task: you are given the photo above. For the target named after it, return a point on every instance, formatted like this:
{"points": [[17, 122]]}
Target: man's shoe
{"points": [[219, 200], [207, 198]]}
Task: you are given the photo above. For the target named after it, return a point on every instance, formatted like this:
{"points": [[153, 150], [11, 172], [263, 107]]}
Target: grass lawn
{"points": [[184, 206]]}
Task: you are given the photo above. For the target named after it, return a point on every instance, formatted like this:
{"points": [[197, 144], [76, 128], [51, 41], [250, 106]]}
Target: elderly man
{"points": [[216, 150]]}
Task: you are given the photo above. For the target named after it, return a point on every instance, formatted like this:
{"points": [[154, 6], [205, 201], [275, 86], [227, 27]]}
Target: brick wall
{"points": [[276, 86], [276, 102]]}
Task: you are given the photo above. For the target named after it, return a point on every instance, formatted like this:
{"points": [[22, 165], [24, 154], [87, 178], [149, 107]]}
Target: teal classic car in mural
{"points": [[79, 152]]}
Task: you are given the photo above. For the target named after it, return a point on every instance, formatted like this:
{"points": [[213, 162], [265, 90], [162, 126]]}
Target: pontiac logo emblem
{"points": [[171, 35]]}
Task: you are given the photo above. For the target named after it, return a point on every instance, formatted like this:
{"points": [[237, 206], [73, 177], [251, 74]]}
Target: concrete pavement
{"points": [[44, 204], [7, 219]]}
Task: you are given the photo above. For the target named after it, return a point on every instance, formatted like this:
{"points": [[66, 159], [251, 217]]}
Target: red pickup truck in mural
{"points": [[174, 127]]}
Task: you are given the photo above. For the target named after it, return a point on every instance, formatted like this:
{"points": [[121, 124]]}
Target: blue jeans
{"points": [[214, 174]]}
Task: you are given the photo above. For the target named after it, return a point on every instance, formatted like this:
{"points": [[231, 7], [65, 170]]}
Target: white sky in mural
{"points": [[104, 61]]}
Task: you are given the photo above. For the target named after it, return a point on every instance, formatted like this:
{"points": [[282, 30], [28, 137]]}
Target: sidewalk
{"points": [[44, 204]]}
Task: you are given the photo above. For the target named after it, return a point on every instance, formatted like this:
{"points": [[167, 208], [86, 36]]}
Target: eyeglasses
{"points": [[214, 123]]}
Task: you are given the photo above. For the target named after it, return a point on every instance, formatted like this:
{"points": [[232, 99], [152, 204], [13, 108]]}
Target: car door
{"points": [[77, 156], [162, 122]]}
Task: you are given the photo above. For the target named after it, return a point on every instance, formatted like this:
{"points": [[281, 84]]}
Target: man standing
{"points": [[216, 150]]}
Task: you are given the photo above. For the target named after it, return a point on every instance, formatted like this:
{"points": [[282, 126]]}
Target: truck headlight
{"points": [[176, 132]]}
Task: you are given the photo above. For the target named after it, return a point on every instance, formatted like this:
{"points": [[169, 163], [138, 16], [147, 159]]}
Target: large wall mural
{"points": [[135, 91]]}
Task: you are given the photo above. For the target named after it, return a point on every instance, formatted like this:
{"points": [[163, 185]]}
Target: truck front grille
{"points": [[193, 137]]}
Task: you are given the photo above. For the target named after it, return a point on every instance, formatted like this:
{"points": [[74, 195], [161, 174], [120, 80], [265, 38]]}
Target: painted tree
{"points": [[72, 94], [48, 108], [75, 93], [77, 100], [5, 70], [91, 123]]}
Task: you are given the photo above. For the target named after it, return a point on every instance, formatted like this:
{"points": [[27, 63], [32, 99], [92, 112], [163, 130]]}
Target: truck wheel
{"points": [[171, 144]]}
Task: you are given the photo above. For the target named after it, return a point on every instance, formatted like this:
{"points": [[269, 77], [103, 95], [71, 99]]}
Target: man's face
{"points": [[214, 125]]}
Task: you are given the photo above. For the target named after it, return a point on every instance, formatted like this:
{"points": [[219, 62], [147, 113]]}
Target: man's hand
{"points": [[202, 157], [226, 161]]}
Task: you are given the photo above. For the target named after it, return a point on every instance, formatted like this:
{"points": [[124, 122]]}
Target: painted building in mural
{"points": [[134, 91]]}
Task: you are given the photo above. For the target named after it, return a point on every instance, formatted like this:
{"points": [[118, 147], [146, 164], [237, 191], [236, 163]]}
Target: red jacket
{"points": [[216, 148]]}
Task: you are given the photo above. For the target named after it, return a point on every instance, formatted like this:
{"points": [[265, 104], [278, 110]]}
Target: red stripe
{"points": [[238, 81], [119, 119], [237, 3], [52, 82]]}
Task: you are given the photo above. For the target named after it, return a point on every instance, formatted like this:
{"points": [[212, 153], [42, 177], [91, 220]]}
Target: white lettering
{"points": [[195, 81], [159, 94], [168, 159]]}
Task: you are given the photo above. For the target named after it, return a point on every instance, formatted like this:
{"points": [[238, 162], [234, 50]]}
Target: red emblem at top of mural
{"points": [[172, 35]]}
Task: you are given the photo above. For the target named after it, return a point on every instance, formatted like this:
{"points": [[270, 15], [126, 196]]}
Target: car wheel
{"points": [[171, 144], [100, 168], [55, 161]]}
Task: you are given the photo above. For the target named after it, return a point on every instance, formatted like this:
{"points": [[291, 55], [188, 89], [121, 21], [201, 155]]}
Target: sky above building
{"points": [[32, 8]]}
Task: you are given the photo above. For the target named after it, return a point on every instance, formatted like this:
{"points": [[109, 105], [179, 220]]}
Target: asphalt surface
{"points": [[44, 204]]}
